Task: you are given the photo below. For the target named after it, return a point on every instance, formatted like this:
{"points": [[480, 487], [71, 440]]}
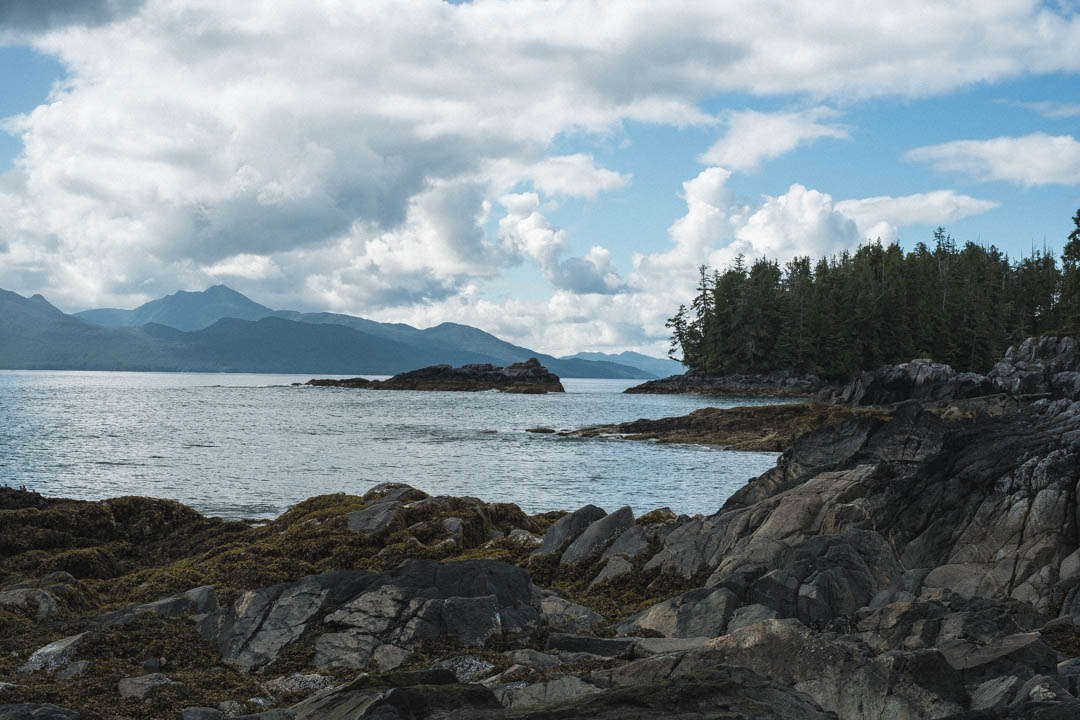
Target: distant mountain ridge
{"points": [[660, 367], [197, 331]]}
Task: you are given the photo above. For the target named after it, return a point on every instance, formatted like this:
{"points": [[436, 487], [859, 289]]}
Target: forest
{"points": [[962, 305]]}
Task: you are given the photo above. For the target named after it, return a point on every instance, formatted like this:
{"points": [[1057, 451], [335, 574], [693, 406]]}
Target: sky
{"points": [[551, 172]]}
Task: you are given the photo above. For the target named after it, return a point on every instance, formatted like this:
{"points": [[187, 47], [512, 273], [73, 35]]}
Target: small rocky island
{"points": [[529, 377], [915, 555]]}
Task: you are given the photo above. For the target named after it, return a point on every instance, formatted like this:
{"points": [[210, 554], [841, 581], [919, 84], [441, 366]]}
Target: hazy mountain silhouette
{"points": [[200, 331], [661, 367]]}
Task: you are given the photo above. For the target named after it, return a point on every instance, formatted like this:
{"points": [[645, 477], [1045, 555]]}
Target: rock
{"points": [[916, 380], [232, 708], [140, 687], [532, 658], [4, 687], [603, 647], [54, 655], [840, 673], [546, 693], [566, 529], [703, 612], [566, 616], [297, 684], [529, 377], [200, 600], [1041, 689], [994, 692], [1039, 365], [471, 620], [72, 670], [202, 713], [28, 711], [613, 568], [750, 615], [630, 544], [692, 382], [468, 601], [597, 537], [1026, 652], [38, 603], [426, 694], [377, 519], [466, 668], [454, 526], [690, 685]]}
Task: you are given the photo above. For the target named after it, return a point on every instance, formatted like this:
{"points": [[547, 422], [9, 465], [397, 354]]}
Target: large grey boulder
{"points": [[262, 623], [37, 603], [597, 537], [54, 655], [469, 601], [566, 529], [842, 674], [703, 612]]}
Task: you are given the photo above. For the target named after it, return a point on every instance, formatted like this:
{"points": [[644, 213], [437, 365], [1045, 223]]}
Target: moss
{"points": [[761, 428], [1064, 639]]}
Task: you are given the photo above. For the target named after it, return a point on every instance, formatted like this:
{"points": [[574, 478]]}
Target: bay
{"points": [[251, 446]]}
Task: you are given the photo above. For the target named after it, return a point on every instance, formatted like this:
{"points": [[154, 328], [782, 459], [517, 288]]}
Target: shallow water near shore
{"points": [[242, 445]]}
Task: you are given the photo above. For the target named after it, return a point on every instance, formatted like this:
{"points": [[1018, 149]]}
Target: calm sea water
{"points": [[253, 445]]}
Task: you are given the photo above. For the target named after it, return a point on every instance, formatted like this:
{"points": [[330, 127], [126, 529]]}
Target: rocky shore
{"points": [[917, 558], [529, 377], [695, 383]]}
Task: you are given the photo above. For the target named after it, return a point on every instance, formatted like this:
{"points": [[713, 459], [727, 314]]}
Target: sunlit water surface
{"points": [[252, 445]]}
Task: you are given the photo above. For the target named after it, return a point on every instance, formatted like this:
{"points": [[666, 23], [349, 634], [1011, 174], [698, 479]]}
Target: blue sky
{"points": [[549, 172]]}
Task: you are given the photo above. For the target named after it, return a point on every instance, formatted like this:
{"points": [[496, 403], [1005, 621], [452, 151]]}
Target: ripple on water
{"points": [[252, 445]]}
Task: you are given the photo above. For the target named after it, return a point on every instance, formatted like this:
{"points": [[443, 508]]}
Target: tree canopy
{"points": [[963, 305]]}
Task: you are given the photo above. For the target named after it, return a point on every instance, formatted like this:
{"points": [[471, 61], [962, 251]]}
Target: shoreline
{"points": [[917, 558]]}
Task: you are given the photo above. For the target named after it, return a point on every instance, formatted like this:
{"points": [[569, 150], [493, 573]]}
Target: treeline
{"points": [[959, 305]]}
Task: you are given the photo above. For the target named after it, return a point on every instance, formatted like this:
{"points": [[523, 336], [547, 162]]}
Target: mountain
{"points": [[182, 310], [660, 367], [187, 331]]}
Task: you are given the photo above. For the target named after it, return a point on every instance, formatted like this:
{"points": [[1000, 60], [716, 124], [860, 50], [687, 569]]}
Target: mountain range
{"points": [[221, 330]]}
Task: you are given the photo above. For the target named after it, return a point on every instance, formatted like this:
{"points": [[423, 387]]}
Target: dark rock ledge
{"points": [[529, 377], [777, 384], [918, 562]]}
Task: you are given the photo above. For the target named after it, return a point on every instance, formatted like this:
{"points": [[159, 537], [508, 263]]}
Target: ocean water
{"points": [[251, 446]]}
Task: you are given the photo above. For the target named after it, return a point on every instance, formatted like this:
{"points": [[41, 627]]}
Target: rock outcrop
{"points": [[529, 377], [695, 383], [917, 558]]}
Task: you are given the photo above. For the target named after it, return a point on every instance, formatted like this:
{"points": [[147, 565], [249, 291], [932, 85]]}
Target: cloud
{"points": [[878, 217], [528, 231], [1031, 160], [557, 176], [40, 15], [753, 137], [358, 147], [1053, 109]]}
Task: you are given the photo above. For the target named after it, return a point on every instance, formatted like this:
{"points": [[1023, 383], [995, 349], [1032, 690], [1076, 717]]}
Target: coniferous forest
{"points": [[962, 305]]}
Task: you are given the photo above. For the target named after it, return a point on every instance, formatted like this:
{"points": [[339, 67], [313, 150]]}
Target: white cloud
{"points": [[250, 267], [879, 217], [1031, 160], [527, 230], [1053, 109], [753, 137], [346, 155], [557, 176]]}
